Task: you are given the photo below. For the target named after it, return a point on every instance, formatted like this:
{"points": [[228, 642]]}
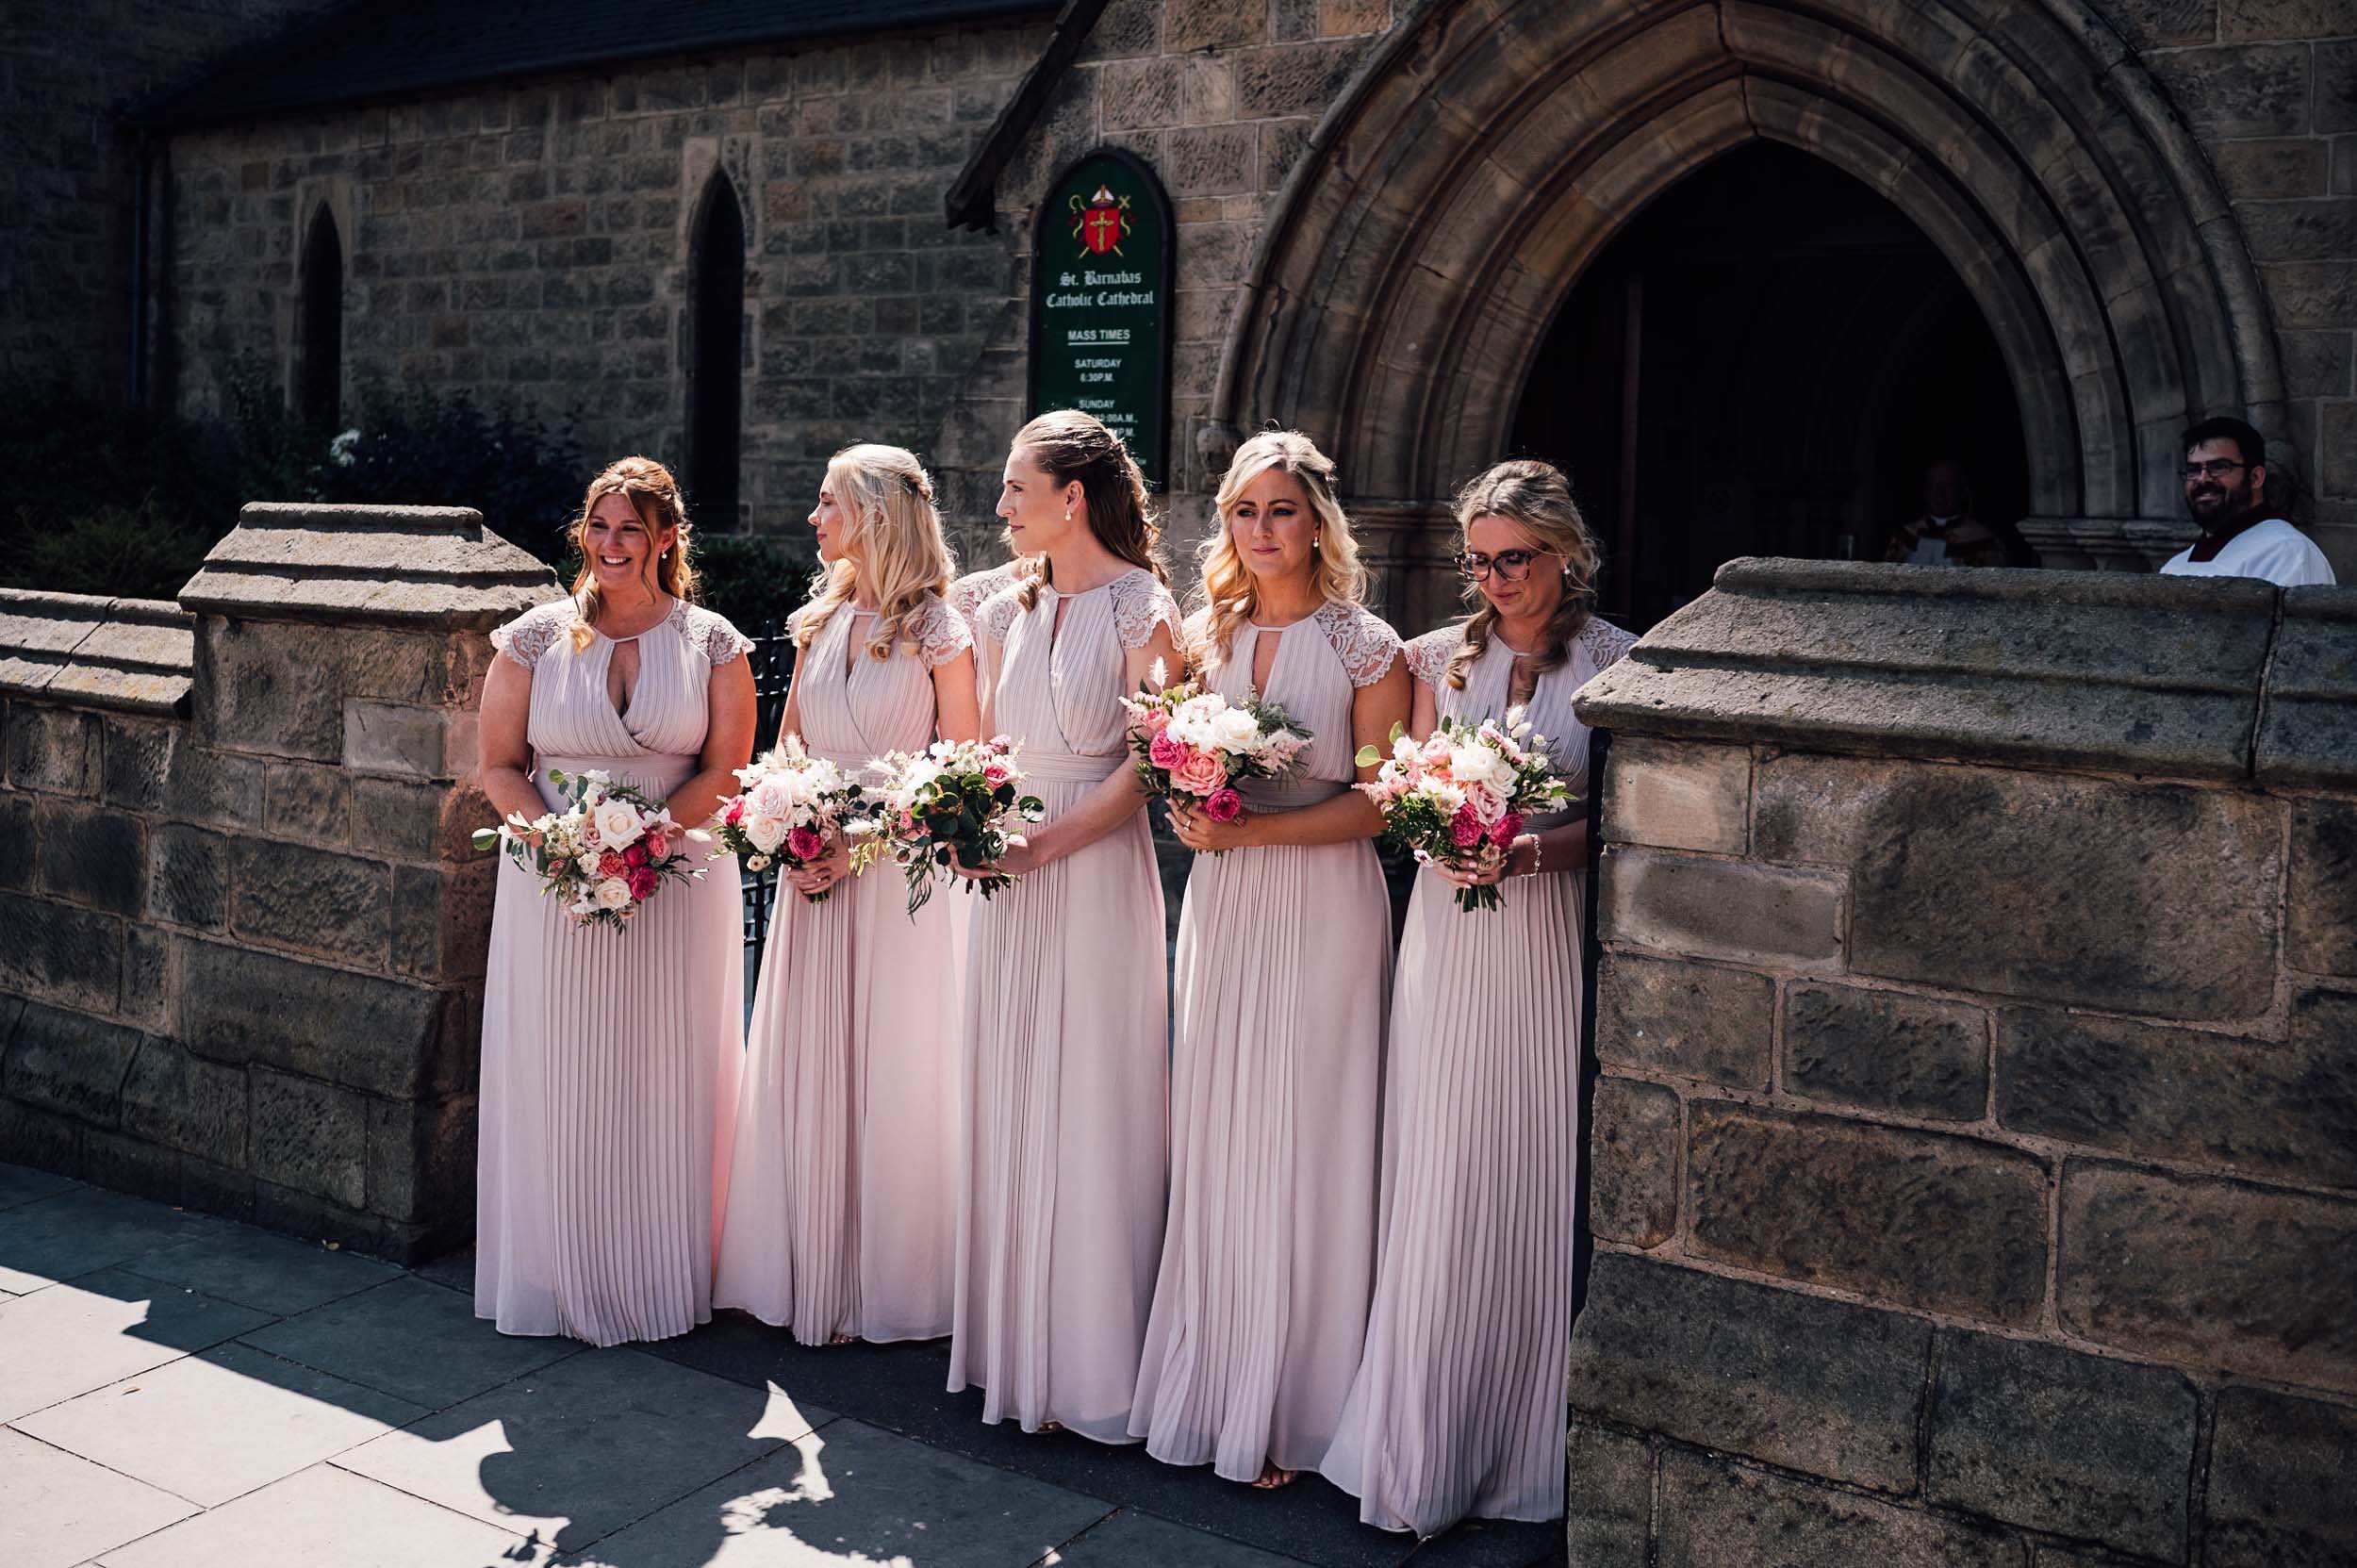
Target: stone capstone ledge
{"points": [[399, 566], [2157, 675], [2307, 734], [131, 654]]}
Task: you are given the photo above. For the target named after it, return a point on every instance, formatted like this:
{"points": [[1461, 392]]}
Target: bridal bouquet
{"points": [[792, 806], [957, 802], [1195, 746], [604, 854], [1458, 798]]}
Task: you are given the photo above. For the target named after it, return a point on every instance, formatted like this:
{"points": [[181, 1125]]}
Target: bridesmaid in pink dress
{"points": [[1060, 1209], [610, 1058], [842, 1192], [1283, 972], [1457, 1406]]}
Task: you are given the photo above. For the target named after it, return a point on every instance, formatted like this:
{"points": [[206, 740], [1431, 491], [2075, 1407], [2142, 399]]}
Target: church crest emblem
{"points": [[1100, 223]]}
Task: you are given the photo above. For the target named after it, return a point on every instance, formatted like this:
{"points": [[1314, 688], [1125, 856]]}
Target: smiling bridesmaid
{"points": [[843, 1187], [1284, 958]]}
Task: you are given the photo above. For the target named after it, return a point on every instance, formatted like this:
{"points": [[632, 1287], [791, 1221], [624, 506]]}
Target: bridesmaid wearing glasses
{"points": [[843, 1190], [1457, 1406], [1284, 960]]}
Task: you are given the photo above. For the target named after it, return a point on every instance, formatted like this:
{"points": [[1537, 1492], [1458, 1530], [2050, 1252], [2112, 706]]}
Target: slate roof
{"points": [[372, 50]]}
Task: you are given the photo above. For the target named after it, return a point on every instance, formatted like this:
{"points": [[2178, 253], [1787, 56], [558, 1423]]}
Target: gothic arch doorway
{"points": [[1765, 362], [715, 381]]}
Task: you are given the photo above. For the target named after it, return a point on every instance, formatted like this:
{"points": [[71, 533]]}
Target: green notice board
{"points": [[1100, 302]]}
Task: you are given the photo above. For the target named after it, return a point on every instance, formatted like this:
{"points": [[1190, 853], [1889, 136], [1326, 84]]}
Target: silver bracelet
{"points": [[1538, 855]]}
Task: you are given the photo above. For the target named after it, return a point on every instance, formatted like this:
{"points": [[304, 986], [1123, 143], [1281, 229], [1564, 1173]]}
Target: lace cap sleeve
{"points": [[940, 631], [712, 636], [997, 617], [1140, 602], [967, 594], [1428, 655], [1604, 643], [1364, 640], [531, 634]]}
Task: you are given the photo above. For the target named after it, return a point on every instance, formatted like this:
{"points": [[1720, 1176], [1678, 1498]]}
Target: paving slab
{"points": [[411, 1340], [277, 1275], [326, 1518], [82, 1228], [57, 1509], [22, 1184], [105, 1326], [849, 1492], [217, 1426], [1134, 1540], [577, 1450]]}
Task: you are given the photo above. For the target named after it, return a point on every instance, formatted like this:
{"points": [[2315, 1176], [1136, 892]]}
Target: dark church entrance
{"points": [[1765, 363]]}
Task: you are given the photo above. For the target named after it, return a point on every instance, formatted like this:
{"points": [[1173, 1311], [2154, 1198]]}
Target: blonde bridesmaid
{"points": [[843, 1187], [1457, 1406], [1283, 969], [1059, 1214], [610, 1058]]}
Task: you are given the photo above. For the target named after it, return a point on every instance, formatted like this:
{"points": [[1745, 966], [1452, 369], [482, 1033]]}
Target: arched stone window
{"points": [[715, 368], [319, 354]]}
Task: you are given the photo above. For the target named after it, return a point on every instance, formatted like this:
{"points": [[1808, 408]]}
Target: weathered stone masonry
{"points": [[241, 928], [1975, 1153]]}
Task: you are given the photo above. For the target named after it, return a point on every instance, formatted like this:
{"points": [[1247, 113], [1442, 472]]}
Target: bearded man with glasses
{"points": [[2242, 535]]}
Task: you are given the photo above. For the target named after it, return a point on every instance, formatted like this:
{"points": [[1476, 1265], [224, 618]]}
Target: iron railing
{"points": [[772, 660]]}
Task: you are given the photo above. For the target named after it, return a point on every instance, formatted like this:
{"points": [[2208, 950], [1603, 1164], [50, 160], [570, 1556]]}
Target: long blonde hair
{"points": [[903, 554], [1067, 445], [1536, 498], [1228, 594], [654, 495]]}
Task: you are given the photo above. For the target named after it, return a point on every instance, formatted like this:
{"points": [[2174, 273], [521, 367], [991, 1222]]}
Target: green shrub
{"points": [[422, 449], [115, 551], [755, 581]]}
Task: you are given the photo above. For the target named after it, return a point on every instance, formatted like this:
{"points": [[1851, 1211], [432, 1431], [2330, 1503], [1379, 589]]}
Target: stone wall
{"points": [[1975, 1145], [243, 967]]}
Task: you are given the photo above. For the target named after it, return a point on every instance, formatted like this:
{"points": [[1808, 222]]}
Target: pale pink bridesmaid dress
{"points": [[1060, 1211], [1283, 972], [842, 1190], [609, 1058], [1457, 1406]]}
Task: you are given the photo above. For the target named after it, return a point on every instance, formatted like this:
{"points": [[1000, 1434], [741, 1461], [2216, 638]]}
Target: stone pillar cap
{"points": [[401, 566], [127, 653]]}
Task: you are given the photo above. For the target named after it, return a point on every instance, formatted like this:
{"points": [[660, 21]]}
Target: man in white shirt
{"points": [[2226, 493]]}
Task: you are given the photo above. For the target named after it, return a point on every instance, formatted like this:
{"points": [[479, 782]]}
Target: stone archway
{"points": [[1489, 151]]}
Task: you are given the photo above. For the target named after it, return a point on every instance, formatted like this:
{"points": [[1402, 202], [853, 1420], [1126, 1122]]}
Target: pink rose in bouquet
{"points": [[1193, 747], [1223, 805], [1460, 798], [602, 856], [791, 809], [1199, 774], [958, 802]]}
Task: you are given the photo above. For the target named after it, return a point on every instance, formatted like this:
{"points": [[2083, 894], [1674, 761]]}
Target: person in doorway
{"points": [[2243, 533], [1946, 534]]}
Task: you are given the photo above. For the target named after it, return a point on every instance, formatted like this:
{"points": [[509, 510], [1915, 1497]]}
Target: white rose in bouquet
{"points": [[617, 823], [613, 893], [1234, 730], [1476, 765], [765, 830]]}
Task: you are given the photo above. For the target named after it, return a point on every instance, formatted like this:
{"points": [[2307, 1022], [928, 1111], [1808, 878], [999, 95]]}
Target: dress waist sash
{"points": [[1071, 767], [1274, 795], [655, 774]]}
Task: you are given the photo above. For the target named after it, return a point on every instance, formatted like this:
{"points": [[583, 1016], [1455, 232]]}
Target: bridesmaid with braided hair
{"points": [[1458, 1406], [1059, 1214]]}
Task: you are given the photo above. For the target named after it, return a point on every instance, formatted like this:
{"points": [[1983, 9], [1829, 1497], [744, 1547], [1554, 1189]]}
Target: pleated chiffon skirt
{"points": [[1065, 1102], [842, 1190], [1261, 1304], [609, 1079], [1457, 1406]]}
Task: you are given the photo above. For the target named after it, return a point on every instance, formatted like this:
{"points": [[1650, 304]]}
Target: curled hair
{"points": [[1067, 445], [1228, 594], [1537, 498], [903, 555], [653, 496]]}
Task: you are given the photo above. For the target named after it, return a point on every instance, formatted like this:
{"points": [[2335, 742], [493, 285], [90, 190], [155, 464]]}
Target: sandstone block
{"points": [[317, 1217], [1886, 1050], [386, 1036], [407, 820], [420, 1158], [2320, 922], [92, 856], [1295, 79], [52, 750], [189, 886], [1943, 1223], [410, 742], [317, 899], [2305, 738], [2215, 1273], [2056, 1440], [1697, 1020], [1608, 1504], [1720, 1515], [2279, 1481], [2134, 898], [149, 987], [1813, 810], [1679, 797], [16, 827], [68, 1062], [61, 954], [263, 687], [310, 1137], [184, 1102], [2239, 89], [1795, 1380], [1723, 909], [132, 1165], [442, 919], [308, 801], [45, 1140], [1191, 24], [1633, 1150], [2286, 1109]]}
